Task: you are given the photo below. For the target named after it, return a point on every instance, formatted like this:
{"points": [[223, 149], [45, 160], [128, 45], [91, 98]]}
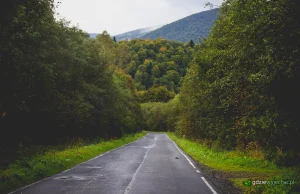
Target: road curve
{"points": [[151, 165]]}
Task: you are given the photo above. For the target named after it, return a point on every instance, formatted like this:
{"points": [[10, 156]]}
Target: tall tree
{"points": [[191, 43]]}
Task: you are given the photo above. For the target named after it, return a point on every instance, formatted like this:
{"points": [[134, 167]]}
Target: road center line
{"points": [[127, 190]]}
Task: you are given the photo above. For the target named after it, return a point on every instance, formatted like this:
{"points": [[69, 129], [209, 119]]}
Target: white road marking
{"points": [[184, 156], [127, 190], [209, 186], [204, 180], [183, 153]]}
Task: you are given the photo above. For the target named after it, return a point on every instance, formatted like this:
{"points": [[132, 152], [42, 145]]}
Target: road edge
{"points": [[24, 187], [190, 159]]}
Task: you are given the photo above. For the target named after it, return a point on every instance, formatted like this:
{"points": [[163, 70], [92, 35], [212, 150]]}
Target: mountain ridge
{"points": [[133, 34], [194, 27], [189, 28]]}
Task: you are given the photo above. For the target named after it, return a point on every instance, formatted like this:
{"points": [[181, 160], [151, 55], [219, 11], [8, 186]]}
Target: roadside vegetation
{"points": [[52, 160], [242, 87], [240, 167]]}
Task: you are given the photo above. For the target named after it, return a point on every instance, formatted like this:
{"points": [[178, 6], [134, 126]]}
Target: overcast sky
{"points": [[118, 16]]}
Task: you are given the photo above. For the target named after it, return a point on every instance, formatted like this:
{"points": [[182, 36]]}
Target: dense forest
{"points": [[158, 63], [56, 82], [238, 88]]}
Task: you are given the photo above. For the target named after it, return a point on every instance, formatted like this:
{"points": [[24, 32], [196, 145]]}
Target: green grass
{"points": [[26, 171], [239, 167]]}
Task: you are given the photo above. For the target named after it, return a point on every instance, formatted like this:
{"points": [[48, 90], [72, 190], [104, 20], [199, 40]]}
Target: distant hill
{"points": [[93, 35], [186, 29], [131, 34], [135, 33]]}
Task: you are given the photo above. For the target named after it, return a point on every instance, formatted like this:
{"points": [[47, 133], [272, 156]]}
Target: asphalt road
{"points": [[151, 165]]}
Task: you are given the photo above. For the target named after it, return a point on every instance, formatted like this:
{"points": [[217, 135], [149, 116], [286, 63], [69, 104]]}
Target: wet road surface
{"points": [[151, 165]]}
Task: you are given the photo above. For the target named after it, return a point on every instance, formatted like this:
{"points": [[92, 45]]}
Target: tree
{"points": [[191, 43]]}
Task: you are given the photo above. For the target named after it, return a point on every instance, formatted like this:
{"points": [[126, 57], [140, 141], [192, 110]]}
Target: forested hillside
{"points": [[158, 63], [194, 27]]}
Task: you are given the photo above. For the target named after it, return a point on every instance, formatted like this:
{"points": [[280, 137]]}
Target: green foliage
{"points": [[242, 86], [129, 110], [158, 62], [160, 116], [156, 94], [153, 116], [171, 113]]}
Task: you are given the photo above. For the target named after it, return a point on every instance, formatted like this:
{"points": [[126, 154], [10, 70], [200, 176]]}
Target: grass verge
{"points": [[26, 171], [243, 169]]}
